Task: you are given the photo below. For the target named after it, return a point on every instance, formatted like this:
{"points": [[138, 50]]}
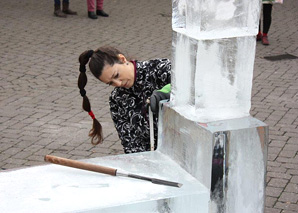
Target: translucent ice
{"points": [[212, 79], [241, 164], [178, 13], [54, 188], [184, 69], [246, 173], [213, 57], [216, 18], [224, 74]]}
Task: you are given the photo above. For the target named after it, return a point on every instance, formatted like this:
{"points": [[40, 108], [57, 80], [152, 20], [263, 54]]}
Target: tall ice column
{"points": [[206, 127], [213, 57]]}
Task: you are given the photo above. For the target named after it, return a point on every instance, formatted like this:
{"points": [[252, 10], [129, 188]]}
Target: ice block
{"points": [[213, 50], [212, 79], [213, 19], [54, 188], [228, 157]]}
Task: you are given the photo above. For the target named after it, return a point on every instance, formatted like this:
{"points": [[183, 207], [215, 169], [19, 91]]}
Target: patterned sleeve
{"points": [[162, 72]]}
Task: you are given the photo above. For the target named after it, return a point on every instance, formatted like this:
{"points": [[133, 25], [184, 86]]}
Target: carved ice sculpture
{"points": [[207, 121]]}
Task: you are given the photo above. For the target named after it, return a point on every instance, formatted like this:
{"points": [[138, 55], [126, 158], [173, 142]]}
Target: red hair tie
{"points": [[91, 115]]}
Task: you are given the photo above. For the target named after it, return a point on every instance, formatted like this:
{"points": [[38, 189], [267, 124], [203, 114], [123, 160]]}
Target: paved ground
{"points": [[40, 102]]}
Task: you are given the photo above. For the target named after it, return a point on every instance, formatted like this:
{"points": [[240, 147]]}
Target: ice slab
{"points": [[241, 166], [54, 188], [212, 79], [216, 18]]}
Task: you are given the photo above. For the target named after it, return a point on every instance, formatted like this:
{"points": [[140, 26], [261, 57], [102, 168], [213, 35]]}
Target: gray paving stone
{"points": [[292, 188], [287, 206], [273, 191], [288, 211], [294, 179], [274, 169], [292, 172], [288, 197], [272, 210], [270, 201], [276, 182]]}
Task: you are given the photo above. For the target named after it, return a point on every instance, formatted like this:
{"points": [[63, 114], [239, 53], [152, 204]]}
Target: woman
{"points": [[134, 83]]}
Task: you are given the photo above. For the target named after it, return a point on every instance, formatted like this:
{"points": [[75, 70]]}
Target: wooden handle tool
{"points": [[105, 170], [80, 165]]}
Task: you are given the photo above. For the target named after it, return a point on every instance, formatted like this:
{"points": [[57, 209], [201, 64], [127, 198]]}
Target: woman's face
{"points": [[118, 75]]}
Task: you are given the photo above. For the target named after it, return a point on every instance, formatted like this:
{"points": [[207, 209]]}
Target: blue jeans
{"points": [[58, 1]]}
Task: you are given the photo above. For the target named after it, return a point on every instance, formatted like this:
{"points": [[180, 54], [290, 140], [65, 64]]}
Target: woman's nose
{"points": [[116, 83]]}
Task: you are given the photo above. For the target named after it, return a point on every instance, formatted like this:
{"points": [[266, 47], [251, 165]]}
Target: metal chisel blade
{"points": [[156, 181]]}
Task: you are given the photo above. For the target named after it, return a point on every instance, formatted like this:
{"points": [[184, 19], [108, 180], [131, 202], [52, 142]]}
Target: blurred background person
{"points": [[65, 9], [99, 9]]}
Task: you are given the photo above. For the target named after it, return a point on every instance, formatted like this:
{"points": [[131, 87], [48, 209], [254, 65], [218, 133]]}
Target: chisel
{"points": [[104, 170]]}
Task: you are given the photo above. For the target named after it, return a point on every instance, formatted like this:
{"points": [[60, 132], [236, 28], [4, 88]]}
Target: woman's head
{"points": [[111, 67], [120, 74], [101, 57]]}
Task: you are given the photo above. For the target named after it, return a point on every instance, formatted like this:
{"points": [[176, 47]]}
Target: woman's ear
{"points": [[122, 58]]}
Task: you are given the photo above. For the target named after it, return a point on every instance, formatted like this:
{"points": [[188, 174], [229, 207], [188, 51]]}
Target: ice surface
{"points": [[224, 74], [184, 69], [213, 57], [191, 145], [187, 143], [178, 13], [246, 175], [54, 188], [215, 18], [213, 76]]}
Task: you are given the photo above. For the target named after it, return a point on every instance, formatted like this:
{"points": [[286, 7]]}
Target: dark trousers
{"points": [[267, 11], [59, 2]]}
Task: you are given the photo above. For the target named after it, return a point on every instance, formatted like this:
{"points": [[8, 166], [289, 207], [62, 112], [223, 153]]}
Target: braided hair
{"points": [[98, 59]]}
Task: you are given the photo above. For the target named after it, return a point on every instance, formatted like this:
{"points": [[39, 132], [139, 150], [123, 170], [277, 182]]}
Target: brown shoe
{"points": [[58, 12], [66, 9], [265, 40]]}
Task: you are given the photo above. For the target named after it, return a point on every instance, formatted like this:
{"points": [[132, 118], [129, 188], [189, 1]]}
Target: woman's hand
{"points": [[159, 95]]}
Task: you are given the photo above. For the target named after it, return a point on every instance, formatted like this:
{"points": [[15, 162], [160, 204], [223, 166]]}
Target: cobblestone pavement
{"points": [[40, 102]]}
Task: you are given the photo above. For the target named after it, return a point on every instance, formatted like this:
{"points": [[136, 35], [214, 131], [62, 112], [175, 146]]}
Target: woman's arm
{"points": [[161, 72], [129, 122]]}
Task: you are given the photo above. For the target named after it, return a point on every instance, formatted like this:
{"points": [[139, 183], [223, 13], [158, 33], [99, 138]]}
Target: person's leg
{"points": [[267, 11], [99, 4], [66, 9], [91, 8], [259, 36], [90, 5], [57, 9], [99, 9]]}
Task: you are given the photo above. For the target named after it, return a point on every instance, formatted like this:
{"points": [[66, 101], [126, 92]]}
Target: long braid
{"points": [[96, 132]]}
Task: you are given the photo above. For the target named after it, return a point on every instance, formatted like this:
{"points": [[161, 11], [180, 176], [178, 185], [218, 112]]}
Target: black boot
{"points": [[102, 13], [58, 12], [66, 9], [92, 15]]}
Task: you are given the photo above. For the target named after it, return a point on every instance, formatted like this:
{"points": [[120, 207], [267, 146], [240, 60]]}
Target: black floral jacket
{"points": [[129, 109]]}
